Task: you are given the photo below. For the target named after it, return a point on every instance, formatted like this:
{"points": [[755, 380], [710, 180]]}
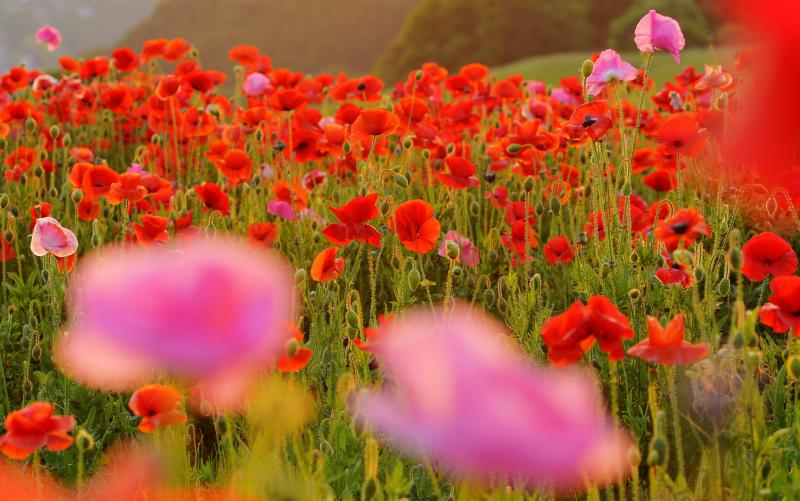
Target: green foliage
{"points": [[457, 32], [305, 35]]}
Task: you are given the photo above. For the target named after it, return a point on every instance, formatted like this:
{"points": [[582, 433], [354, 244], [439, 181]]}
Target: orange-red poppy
{"points": [[460, 173], [213, 198], [295, 356], [158, 405], [681, 133], [767, 254], [683, 228], [374, 122], [236, 165], [245, 55], [415, 226], [263, 234], [33, 427], [152, 230], [327, 266], [667, 346], [352, 225], [128, 187], [97, 180]]}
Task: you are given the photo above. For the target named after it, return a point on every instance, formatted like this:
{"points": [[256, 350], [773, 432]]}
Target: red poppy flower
{"points": [[88, 209], [353, 217], [295, 195], [558, 250], [168, 87], [97, 180], [415, 226], [660, 181], [474, 71], [125, 60], [66, 264], [42, 209], [128, 188], [7, 252], [35, 426], [213, 198], [176, 49], [295, 356], [592, 119], [681, 133], [158, 405], [326, 265], [287, 100], [372, 333], [152, 231], [782, 311], [570, 334], [461, 173], [515, 240], [673, 273], [765, 254], [236, 165], [263, 234], [118, 100], [667, 346], [374, 122], [682, 228], [245, 55]]}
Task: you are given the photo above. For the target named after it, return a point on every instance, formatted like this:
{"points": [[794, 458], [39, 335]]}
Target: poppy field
{"points": [[273, 285]]}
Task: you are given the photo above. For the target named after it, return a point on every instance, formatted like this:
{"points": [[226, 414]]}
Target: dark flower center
{"points": [[588, 121], [680, 227]]}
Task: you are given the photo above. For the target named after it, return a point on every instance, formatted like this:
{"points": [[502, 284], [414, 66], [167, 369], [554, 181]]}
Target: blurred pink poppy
{"points": [[281, 209], [198, 309], [256, 84], [50, 36], [468, 255], [608, 69], [49, 237], [457, 392], [656, 32]]}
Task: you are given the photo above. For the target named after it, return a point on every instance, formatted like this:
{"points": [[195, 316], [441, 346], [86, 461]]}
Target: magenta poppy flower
{"points": [[49, 237], [457, 392], [50, 36], [281, 209], [195, 310], [609, 69], [656, 32], [469, 253]]}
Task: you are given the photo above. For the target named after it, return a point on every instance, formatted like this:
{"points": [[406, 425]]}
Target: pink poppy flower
{"points": [[463, 397], [656, 32], [609, 69], [469, 253], [50, 36], [49, 237], [199, 309], [256, 84], [281, 209]]}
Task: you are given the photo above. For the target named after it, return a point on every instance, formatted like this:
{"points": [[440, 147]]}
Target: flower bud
{"points": [[414, 278], [352, 319], [737, 340], [793, 367], [699, 273], [418, 75], [586, 68], [401, 181], [724, 287], [8, 235], [635, 295], [735, 259], [4, 201], [626, 188], [513, 148], [555, 205], [408, 143], [55, 132], [658, 452], [488, 297], [683, 257], [291, 347], [489, 177], [300, 275], [452, 249]]}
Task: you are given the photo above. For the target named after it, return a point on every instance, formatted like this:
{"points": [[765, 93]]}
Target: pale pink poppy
{"points": [[281, 209], [256, 84], [196, 309], [608, 69], [50, 36], [49, 237], [656, 32], [457, 392], [468, 255]]}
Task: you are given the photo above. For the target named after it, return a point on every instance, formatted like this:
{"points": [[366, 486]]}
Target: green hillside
{"points": [[552, 67], [304, 35]]}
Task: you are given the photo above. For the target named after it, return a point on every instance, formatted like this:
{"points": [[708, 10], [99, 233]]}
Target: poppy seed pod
{"points": [[352, 319], [489, 177], [38, 171], [418, 75], [513, 148], [539, 208], [451, 148], [626, 188], [724, 287], [8, 235], [737, 340], [401, 181], [30, 124], [67, 141], [414, 278], [586, 68], [4, 200], [279, 146], [793, 367], [408, 143], [426, 154], [529, 184], [55, 131], [699, 273], [452, 250]]}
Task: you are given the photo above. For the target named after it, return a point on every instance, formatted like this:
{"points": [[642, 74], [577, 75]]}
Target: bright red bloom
{"points": [[158, 405], [125, 60], [152, 231], [570, 334], [592, 119], [263, 234], [118, 99], [7, 252], [287, 100], [246, 55], [667, 346], [782, 311], [128, 187], [415, 226], [515, 240], [42, 209], [681, 133], [660, 181], [461, 173], [236, 165], [214, 198], [558, 250], [97, 180], [673, 273], [682, 228], [295, 356], [765, 254], [374, 122], [35, 426], [168, 87], [353, 217], [372, 333], [326, 265]]}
